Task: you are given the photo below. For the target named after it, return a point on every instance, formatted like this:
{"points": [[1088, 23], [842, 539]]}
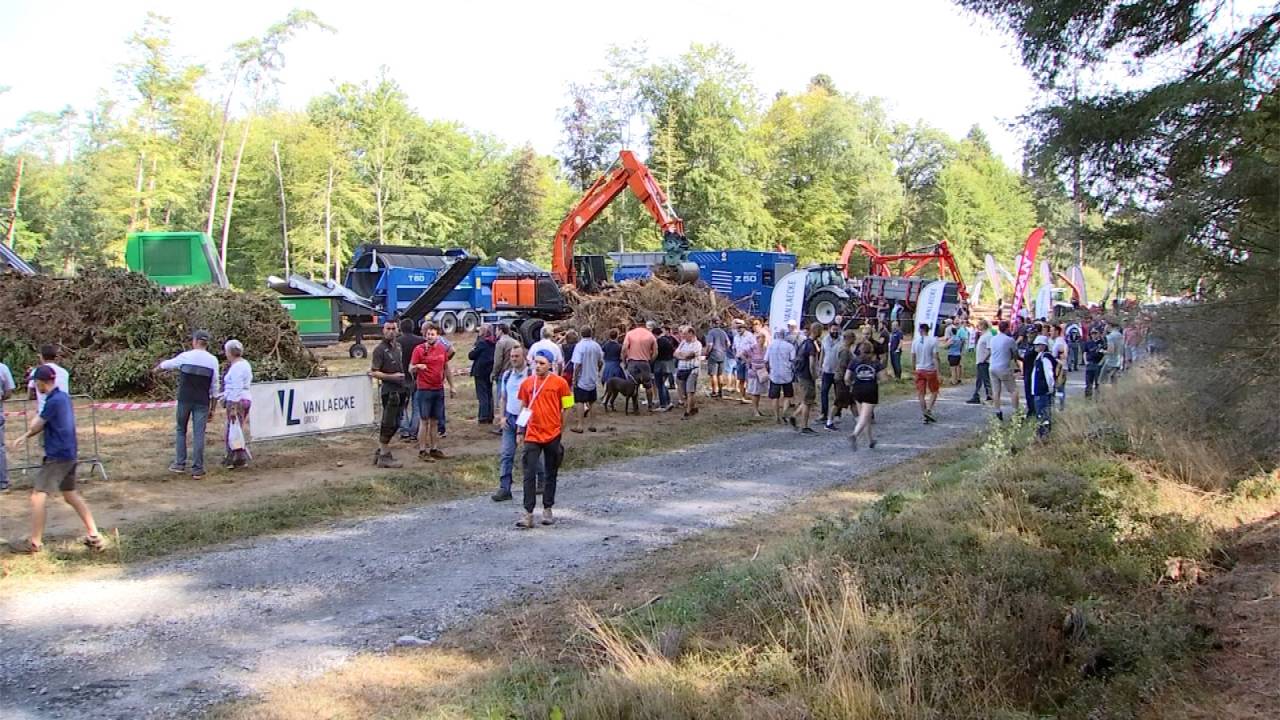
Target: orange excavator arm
{"points": [[628, 172], [923, 256]]}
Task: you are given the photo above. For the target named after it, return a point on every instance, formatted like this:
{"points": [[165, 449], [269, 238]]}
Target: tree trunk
{"points": [[17, 195], [217, 157], [137, 193], [284, 211], [378, 198], [231, 193], [337, 258], [151, 191], [328, 223]]}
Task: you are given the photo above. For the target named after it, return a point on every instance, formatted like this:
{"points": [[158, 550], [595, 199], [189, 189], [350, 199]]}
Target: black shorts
{"points": [[640, 371], [868, 394], [584, 396], [777, 390], [953, 360]]}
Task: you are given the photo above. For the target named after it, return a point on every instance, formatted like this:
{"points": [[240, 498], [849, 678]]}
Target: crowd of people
{"points": [[531, 395]]}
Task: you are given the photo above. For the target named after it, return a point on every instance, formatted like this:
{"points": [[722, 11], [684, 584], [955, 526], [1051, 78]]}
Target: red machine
{"points": [[880, 263], [627, 172]]}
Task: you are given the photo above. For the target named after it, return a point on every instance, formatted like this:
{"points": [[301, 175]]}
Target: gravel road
{"points": [[174, 636]]}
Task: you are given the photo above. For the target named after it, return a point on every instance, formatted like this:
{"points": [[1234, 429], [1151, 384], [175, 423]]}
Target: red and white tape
{"points": [[112, 406]]}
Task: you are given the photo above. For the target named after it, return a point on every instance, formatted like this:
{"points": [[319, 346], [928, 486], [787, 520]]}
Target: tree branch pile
{"points": [[114, 326], [654, 299]]}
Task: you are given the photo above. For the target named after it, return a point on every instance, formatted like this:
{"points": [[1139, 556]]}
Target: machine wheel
{"points": [[448, 323], [358, 352], [470, 322], [823, 307], [531, 332]]}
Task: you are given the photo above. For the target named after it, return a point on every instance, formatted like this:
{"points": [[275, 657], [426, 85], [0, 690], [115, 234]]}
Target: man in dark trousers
{"points": [[387, 366], [198, 381], [482, 359], [543, 399], [1044, 373], [58, 470], [409, 340]]}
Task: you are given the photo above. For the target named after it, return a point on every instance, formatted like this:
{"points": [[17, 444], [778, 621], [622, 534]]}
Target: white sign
{"points": [[787, 301], [1077, 277], [993, 276], [302, 407], [929, 304], [1044, 302]]}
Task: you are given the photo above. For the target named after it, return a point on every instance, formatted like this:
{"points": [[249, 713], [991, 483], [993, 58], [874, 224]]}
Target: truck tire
{"points": [[448, 323], [531, 332], [823, 307], [358, 351], [470, 321]]}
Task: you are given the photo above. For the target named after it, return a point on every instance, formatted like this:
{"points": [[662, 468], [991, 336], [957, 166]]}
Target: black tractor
{"points": [[827, 298]]}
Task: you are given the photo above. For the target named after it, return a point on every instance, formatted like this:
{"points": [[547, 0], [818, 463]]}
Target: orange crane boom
{"points": [[920, 256]]}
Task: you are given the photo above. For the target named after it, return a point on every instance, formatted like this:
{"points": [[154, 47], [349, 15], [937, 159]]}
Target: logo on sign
{"points": [[312, 409], [286, 406]]}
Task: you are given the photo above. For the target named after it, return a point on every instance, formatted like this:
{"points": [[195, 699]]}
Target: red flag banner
{"points": [[1026, 263]]}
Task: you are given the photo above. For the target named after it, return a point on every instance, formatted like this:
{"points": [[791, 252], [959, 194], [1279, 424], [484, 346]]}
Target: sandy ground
{"points": [[171, 637]]}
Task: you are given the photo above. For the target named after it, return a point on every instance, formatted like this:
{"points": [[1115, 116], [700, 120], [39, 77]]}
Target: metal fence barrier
{"points": [[85, 437]]}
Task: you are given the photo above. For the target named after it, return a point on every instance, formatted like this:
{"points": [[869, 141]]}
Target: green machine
{"points": [[319, 319], [174, 259]]}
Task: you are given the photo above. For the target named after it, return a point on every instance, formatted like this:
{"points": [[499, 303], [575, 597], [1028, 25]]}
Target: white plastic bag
{"points": [[235, 437]]}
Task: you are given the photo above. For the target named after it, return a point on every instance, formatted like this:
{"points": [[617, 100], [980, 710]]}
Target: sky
{"points": [[503, 68]]}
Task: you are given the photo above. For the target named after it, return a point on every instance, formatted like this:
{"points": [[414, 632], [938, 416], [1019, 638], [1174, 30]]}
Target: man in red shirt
{"points": [[543, 402], [430, 367]]}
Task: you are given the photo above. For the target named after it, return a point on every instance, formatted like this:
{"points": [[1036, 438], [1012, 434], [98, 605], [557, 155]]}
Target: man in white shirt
{"points": [[7, 387], [549, 344], [982, 363], [924, 355], [62, 381], [744, 341], [197, 386], [1003, 354], [780, 360]]}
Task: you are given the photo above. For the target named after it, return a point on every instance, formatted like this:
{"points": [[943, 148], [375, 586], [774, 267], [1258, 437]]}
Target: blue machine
{"points": [[394, 277], [745, 277]]}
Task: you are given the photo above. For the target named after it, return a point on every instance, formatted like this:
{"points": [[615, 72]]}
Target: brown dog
{"points": [[626, 387]]}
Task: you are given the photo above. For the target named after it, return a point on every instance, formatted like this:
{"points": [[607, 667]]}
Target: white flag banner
{"points": [[1076, 273], [314, 405], [993, 276], [1046, 273], [975, 291], [787, 301], [1044, 302], [930, 304]]}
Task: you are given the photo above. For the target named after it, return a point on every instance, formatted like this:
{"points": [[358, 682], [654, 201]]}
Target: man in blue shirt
{"points": [[58, 471]]}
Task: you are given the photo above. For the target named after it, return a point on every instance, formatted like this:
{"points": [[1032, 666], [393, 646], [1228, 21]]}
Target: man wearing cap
{"points": [[197, 386], [1044, 372], [543, 399], [58, 469]]}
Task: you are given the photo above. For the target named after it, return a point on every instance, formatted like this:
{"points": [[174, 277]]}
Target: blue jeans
{"points": [[660, 380], [198, 417], [1044, 414], [4, 461], [895, 360], [409, 423], [506, 461], [828, 381], [484, 397]]}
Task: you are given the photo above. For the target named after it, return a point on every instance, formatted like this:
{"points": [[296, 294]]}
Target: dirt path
{"points": [[175, 636]]}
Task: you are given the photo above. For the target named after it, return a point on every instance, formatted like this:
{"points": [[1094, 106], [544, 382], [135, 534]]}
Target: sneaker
{"points": [[4, 487], [1000, 416], [387, 461], [501, 496], [178, 469], [197, 474], [831, 427], [425, 456], [973, 401], [791, 420], [808, 431], [872, 444], [440, 434], [525, 522], [547, 517], [438, 454]]}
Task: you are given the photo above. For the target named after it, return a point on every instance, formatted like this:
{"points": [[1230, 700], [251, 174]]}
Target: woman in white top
{"points": [[235, 397], [687, 356]]}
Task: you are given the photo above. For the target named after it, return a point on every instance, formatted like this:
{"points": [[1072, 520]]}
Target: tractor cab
{"points": [[827, 295]]}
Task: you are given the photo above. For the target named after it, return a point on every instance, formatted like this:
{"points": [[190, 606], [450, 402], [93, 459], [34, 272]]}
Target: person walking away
{"points": [[197, 387], [719, 350], [828, 351], [895, 351], [430, 364], [482, 360], [1044, 370], [808, 367], [1095, 352], [664, 366], [509, 402], [757, 372], [1060, 350], [612, 350], [957, 336], [924, 357], [408, 340], [236, 401], [639, 348], [567, 345], [1075, 347], [863, 378], [588, 363], [687, 355], [543, 399], [1003, 358], [780, 359], [1115, 355], [982, 364], [386, 365], [547, 342], [744, 343], [7, 386], [56, 422], [48, 358], [1027, 356]]}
